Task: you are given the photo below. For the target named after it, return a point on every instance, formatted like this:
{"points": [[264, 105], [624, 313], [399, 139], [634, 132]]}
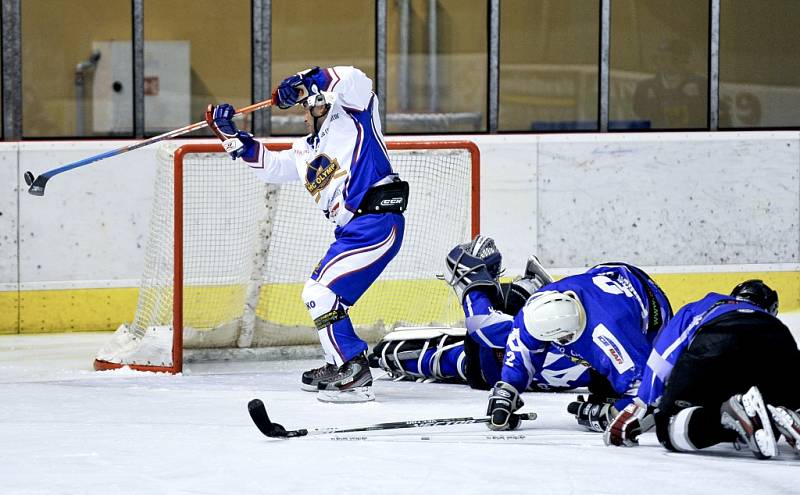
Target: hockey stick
{"points": [[37, 185], [273, 430]]}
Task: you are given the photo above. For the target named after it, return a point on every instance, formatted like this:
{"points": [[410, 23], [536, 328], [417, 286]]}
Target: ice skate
{"points": [[534, 269], [311, 378], [747, 415], [351, 383], [788, 424]]}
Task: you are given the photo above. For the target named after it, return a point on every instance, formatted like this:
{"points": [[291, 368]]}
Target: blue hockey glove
{"points": [[238, 144], [297, 87], [503, 401], [288, 92]]}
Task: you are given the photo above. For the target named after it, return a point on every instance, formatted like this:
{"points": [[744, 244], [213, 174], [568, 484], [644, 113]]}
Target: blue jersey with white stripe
{"points": [[492, 329], [676, 336], [614, 342]]}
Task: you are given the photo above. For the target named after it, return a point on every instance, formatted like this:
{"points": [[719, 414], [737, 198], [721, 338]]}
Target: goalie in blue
{"points": [[475, 357], [705, 382], [345, 167], [604, 318]]}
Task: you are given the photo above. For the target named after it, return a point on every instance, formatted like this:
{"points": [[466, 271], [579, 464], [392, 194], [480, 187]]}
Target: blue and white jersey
{"points": [[679, 332], [348, 155], [614, 342], [492, 330]]}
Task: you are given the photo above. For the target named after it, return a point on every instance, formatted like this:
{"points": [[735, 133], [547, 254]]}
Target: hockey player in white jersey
{"points": [[345, 167]]}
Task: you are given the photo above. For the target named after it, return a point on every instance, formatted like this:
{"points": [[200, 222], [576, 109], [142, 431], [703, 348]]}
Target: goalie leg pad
{"points": [[334, 328], [423, 355]]}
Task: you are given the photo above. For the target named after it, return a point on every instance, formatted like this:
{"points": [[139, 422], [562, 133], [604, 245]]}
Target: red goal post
{"points": [[202, 222]]}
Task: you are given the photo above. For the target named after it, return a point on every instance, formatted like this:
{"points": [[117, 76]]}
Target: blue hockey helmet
{"points": [[758, 293]]}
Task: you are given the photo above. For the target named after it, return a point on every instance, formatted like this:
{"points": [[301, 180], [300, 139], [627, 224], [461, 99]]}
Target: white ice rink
{"points": [[65, 429]]}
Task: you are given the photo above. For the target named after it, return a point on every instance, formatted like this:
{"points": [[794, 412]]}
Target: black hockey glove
{"points": [[593, 414], [503, 401]]}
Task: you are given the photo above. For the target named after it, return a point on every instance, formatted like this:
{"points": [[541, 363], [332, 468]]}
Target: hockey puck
{"points": [[28, 178]]}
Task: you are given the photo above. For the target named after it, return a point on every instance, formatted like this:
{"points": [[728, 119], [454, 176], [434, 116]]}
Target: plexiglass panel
{"points": [[659, 64], [548, 65]]}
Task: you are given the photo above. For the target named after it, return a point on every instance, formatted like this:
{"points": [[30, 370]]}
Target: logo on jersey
{"points": [[611, 347], [319, 173]]}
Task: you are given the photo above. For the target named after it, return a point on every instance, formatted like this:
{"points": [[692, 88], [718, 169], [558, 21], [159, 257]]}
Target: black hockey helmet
{"points": [[758, 293]]}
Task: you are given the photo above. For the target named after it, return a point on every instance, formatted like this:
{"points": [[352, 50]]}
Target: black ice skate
{"points": [[351, 383], [788, 423], [747, 415], [311, 378]]}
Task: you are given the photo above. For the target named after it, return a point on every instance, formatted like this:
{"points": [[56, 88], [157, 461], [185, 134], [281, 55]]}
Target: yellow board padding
{"points": [[75, 310], [9, 312], [416, 302], [412, 302], [682, 288]]}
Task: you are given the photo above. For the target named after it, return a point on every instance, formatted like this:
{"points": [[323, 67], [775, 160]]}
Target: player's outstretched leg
{"points": [[351, 383], [747, 415], [788, 423]]}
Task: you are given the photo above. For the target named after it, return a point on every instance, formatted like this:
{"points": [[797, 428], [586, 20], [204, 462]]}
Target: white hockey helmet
{"points": [[554, 316]]}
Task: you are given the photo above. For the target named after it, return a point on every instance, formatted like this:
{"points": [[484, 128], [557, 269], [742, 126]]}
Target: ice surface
{"points": [[65, 429]]}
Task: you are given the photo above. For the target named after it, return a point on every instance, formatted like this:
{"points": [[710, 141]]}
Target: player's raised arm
{"points": [[274, 167]]}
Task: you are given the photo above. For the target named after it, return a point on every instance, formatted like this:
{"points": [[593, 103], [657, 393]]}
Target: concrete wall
{"points": [[686, 206]]}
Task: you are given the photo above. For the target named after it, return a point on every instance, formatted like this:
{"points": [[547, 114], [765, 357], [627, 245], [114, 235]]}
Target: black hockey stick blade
{"points": [[258, 413], [36, 185]]}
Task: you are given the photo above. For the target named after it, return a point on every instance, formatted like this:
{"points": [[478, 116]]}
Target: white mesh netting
{"points": [[249, 247]]}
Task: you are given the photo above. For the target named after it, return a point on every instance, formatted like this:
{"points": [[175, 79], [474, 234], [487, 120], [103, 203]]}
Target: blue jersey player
{"points": [[475, 356], [707, 384], [345, 167], [604, 318]]}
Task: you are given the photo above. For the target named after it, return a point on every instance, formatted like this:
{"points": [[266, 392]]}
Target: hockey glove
{"points": [[298, 86], [594, 414], [503, 401], [238, 144], [626, 427], [288, 92]]}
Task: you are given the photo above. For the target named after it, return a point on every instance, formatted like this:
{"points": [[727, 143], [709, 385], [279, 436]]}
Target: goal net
{"points": [[228, 255]]}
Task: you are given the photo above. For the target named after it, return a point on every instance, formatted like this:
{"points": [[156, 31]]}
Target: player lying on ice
{"points": [[604, 318], [476, 357], [345, 167], [619, 303], [708, 382]]}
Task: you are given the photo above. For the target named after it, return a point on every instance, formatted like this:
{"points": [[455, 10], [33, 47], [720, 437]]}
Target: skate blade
{"points": [[766, 443], [764, 439], [786, 426], [356, 394], [308, 388]]}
